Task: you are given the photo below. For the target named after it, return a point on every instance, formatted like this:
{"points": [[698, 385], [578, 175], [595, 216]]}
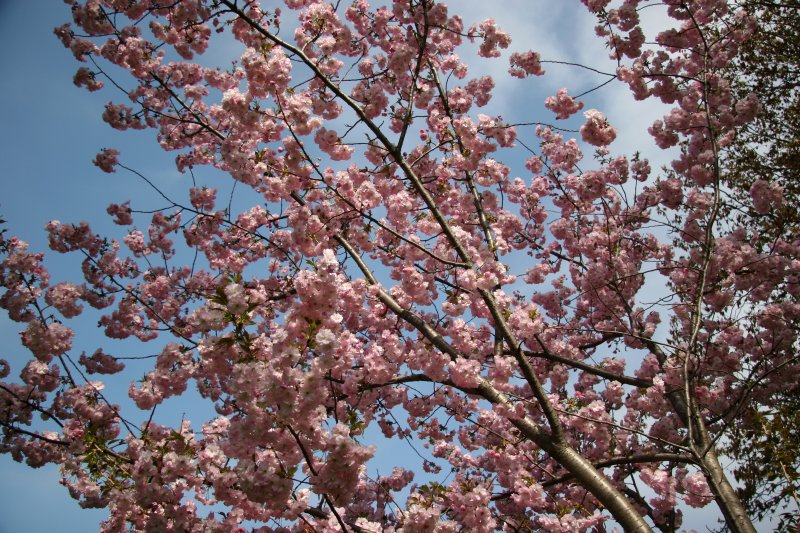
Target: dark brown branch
{"points": [[634, 459], [597, 371]]}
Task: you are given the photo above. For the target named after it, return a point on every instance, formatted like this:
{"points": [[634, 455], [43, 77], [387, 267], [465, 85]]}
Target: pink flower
{"points": [[85, 78], [596, 5], [465, 373], [493, 38], [121, 212], [747, 108], [266, 73], [525, 64], [47, 341], [481, 90], [330, 143], [64, 297], [766, 196], [597, 131], [101, 363], [202, 198], [695, 490], [236, 298], [107, 160], [563, 105]]}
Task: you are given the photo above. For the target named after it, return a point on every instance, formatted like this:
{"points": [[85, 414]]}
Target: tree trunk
{"points": [[729, 502]]}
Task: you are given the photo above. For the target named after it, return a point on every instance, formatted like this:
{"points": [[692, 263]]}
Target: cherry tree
{"points": [[390, 274]]}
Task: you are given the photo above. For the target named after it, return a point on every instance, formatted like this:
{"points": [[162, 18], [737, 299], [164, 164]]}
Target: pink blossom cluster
{"points": [[106, 160], [766, 196], [496, 311], [562, 104], [492, 38], [525, 64], [330, 143], [266, 73], [597, 131], [86, 78]]}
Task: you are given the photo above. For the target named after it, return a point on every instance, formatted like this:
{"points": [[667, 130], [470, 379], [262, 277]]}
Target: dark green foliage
{"points": [[767, 446]]}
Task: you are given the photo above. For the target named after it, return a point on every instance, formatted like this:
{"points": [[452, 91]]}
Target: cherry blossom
{"points": [[398, 257]]}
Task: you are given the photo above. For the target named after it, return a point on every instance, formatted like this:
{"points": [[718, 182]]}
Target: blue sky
{"points": [[51, 130], [45, 123], [49, 134]]}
